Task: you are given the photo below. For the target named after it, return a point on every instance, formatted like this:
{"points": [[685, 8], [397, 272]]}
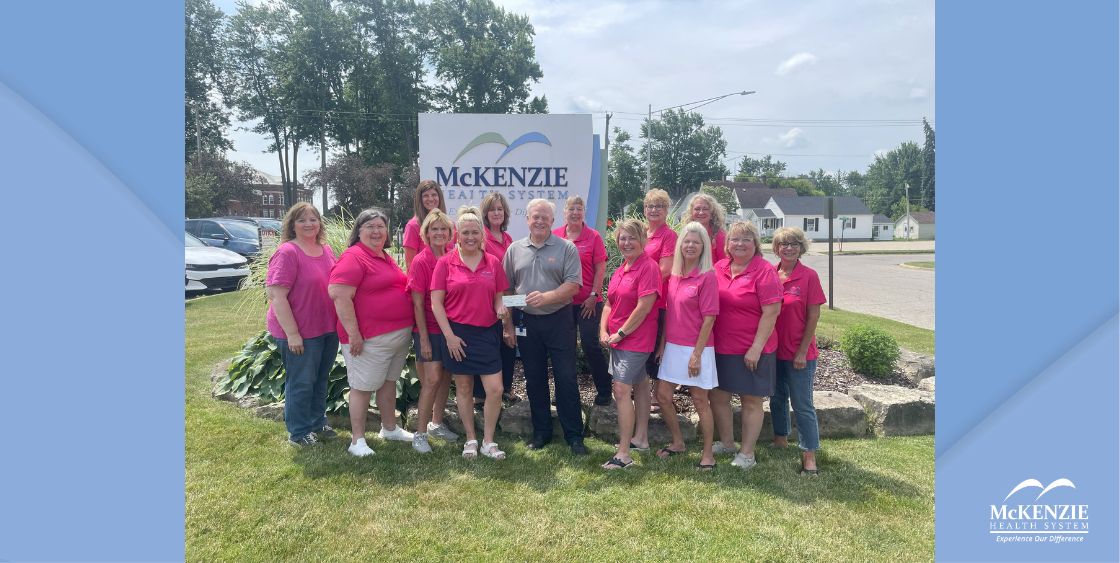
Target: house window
{"points": [[849, 222], [809, 224]]}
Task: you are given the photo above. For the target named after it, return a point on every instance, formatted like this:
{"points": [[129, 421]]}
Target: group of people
{"points": [[699, 308]]}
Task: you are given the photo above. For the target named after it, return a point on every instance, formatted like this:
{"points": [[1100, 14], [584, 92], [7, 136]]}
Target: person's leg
{"points": [[561, 344], [464, 399], [359, 408], [439, 403], [642, 400], [801, 396], [720, 402], [387, 405], [652, 364], [703, 410], [625, 407], [430, 379], [493, 408], [593, 351], [779, 403], [752, 423], [509, 356], [325, 351], [299, 390], [669, 415], [535, 359]]}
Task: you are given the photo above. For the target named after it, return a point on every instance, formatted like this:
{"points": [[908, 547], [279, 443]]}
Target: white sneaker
{"points": [[719, 448], [399, 434], [359, 448], [420, 443], [442, 432], [743, 461]]}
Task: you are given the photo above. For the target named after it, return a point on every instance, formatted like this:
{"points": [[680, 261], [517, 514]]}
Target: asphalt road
{"points": [[878, 285]]}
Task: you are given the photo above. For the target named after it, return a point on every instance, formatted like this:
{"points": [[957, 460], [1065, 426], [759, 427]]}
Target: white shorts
{"points": [[674, 366], [382, 359]]}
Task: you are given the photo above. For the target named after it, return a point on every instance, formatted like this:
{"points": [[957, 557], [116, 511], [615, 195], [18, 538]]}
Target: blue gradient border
{"points": [[91, 107], [1027, 270]]}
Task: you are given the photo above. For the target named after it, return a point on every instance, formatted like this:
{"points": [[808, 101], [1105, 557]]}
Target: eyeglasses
{"points": [[789, 245], [737, 240], [655, 206], [371, 226]]}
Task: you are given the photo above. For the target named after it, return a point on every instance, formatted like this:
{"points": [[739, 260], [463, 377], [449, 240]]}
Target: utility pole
{"points": [[649, 142], [831, 303], [907, 185]]}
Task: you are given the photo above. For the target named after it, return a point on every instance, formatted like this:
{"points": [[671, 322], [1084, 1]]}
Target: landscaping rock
{"points": [[217, 376], [896, 411], [766, 434], [373, 422], [274, 411], [928, 385], [516, 420], [838, 415], [602, 422], [250, 402], [915, 366]]}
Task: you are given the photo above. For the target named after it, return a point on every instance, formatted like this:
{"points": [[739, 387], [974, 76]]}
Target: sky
{"points": [[835, 82]]}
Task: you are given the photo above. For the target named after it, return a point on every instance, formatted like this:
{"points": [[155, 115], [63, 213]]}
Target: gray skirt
{"points": [[627, 366], [735, 377]]}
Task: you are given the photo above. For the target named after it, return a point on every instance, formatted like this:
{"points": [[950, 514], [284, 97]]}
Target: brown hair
{"points": [[365, 217], [488, 202], [288, 226], [418, 198]]}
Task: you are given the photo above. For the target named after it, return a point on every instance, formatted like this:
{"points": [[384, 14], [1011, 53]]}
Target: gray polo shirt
{"points": [[532, 268]]}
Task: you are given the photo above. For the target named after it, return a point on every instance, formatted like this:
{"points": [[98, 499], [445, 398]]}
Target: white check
{"points": [[513, 300]]}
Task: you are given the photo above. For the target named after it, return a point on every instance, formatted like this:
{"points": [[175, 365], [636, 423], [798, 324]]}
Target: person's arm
{"points": [[507, 320], [645, 305], [665, 264], [765, 327], [701, 343], [812, 315], [278, 294], [603, 336], [421, 325], [562, 294], [596, 285], [409, 254], [455, 344], [343, 297]]}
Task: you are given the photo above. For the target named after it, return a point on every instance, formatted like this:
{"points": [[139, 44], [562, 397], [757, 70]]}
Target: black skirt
{"points": [[735, 377], [482, 350]]}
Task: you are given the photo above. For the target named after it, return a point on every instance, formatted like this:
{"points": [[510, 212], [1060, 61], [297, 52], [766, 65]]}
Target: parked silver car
{"points": [[213, 269]]}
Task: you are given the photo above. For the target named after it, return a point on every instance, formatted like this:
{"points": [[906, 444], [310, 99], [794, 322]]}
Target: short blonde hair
{"points": [[791, 234], [740, 228], [719, 216], [658, 195], [435, 216], [705, 264], [468, 214], [633, 227], [574, 200]]}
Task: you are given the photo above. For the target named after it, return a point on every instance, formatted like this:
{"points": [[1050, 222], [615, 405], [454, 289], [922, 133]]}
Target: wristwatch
{"points": [[595, 293], [621, 333]]}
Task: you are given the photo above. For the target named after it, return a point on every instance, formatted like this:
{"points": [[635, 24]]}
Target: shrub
{"points": [[258, 370], [825, 342], [870, 350]]}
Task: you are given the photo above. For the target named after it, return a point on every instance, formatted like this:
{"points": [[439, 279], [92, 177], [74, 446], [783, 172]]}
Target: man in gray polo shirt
{"points": [[546, 269]]}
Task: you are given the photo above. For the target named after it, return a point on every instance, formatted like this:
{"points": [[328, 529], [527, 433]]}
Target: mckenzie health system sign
{"points": [[524, 157]]}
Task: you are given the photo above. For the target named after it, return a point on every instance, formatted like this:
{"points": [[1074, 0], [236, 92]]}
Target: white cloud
{"points": [[795, 62], [583, 104], [918, 93], [794, 138]]}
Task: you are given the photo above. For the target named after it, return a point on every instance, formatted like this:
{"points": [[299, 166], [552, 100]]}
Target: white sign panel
{"points": [[522, 156]]}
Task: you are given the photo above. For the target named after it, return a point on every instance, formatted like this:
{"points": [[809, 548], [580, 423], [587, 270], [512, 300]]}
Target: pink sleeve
{"points": [[816, 292], [347, 271], [500, 282], [439, 276], [668, 244], [768, 287], [598, 250], [649, 282], [283, 267], [419, 276], [709, 294], [412, 235]]}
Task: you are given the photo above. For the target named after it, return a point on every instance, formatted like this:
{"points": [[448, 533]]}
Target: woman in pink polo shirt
{"points": [[660, 244], [802, 297], [467, 287], [704, 209], [687, 354], [428, 196], [302, 320], [630, 330], [750, 297], [587, 305], [375, 322], [427, 340], [495, 213]]}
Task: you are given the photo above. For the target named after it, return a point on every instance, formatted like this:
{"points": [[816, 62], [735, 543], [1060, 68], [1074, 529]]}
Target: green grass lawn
{"points": [[833, 323], [250, 497], [926, 265]]}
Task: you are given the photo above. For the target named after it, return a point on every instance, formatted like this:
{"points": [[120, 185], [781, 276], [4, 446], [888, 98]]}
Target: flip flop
{"points": [[668, 453], [811, 472], [636, 447], [616, 463], [705, 466]]}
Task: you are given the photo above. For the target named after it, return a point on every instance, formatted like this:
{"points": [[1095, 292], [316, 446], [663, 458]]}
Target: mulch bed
{"points": [[833, 374]]}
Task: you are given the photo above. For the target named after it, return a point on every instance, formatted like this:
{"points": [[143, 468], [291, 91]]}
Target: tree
{"points": [[929, 157], [764, 169], [206, 119], [888, 176], [724, 196], [827, 184], [684, 151], [483, 57], [624, 175], [213, 181], [355, 184]]}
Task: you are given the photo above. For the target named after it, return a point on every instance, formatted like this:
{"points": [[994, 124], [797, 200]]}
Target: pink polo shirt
{"points": [[662, 243], [626, 287], [592, 252], [691, 298], [412, 236], [420, 281], [470, 295], [306, 279], [494, 247], [719, 243], [801, 289], [740, 305], [381, 302]]}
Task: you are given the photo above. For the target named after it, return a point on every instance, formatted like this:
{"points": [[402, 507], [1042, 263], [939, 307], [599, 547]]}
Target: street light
{"points": [[699, 104]]}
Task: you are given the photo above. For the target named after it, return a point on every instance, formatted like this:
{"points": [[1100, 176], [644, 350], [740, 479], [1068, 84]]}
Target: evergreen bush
{"points": [[870, 350]]}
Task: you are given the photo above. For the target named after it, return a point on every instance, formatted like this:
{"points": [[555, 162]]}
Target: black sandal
{"points": [[668, 453], [616, 463]]}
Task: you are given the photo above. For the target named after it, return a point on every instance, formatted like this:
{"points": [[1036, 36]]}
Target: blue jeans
{"points": [[305, 388], [795, 386]]}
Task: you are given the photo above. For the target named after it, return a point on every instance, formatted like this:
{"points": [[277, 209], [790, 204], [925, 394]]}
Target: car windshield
{"points": [[275, 225], [192, 241], [241, 230]]}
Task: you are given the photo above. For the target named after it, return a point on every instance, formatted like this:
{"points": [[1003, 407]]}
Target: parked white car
{"points": [[213, 269]]}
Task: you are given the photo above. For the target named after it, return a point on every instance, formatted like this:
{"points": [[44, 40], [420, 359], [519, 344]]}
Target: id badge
{"points": [[520, 331]]}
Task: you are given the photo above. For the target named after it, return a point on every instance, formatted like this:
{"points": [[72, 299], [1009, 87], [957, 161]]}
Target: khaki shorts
{"points": [[382, 359]]}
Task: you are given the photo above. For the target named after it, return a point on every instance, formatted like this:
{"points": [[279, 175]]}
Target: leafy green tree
{"points": [[764, 169], [724, 196], [206, 119], [684, 151], [624, 175], [212, 181], [355, 184], [929, 158], [827, 184], [484, 57], [888, 176]]}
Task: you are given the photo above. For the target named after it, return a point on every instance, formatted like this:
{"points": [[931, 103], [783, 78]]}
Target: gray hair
{"points": [[365, 217], [541, 201]]}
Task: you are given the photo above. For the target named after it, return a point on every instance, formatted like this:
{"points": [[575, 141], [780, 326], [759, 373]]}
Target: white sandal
{"points": [[470, 449], [491, 450]]}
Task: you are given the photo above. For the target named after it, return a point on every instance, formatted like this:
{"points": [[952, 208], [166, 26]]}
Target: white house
{"points": [[918, 225], [882, 228], [853, 219], [752, 198]]}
